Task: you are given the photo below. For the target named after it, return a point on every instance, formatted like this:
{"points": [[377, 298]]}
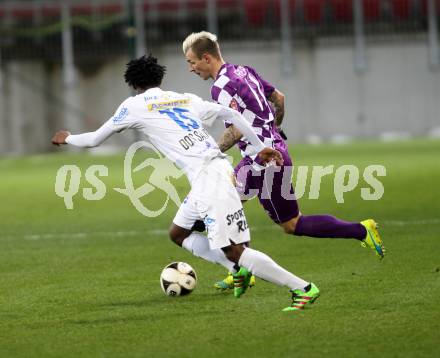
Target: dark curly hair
{"points": [[144, 72]]}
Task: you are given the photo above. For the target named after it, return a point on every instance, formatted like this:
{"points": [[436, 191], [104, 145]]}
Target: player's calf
{"points": [[233, 252], [290, 226]]}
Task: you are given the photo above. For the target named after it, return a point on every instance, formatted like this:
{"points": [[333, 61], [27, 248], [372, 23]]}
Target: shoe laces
{"points": [[300, 299], [239, 280]]}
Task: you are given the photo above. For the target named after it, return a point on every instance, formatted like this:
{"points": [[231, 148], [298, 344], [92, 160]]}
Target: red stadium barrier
{"points": [[196, 4], [371, 9], [256, 11], [23, 13], [425, 7], [313, 11], [277, 5], [26, 10], [168, 6], [342, 10], [401, 9], [86, 9]]}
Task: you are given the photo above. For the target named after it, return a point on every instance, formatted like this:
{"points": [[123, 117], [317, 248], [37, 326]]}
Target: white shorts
{"points": [[214, 199]]}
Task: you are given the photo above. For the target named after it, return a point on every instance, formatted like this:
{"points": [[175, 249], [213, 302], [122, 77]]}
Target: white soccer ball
{"points": [[178, 279]]}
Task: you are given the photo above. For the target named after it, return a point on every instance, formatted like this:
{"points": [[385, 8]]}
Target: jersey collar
{"points": [[153, 90], [222, 70]]}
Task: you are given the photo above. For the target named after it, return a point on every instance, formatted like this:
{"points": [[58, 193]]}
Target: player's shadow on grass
{"points": [[152, 317], [162, 307]]}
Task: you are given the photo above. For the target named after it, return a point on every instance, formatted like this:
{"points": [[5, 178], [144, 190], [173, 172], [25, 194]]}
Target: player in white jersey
{"points": [[173, 122]]}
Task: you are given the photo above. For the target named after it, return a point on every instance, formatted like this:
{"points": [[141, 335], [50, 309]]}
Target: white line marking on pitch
{"points": [[81, 235], [411, 222]]}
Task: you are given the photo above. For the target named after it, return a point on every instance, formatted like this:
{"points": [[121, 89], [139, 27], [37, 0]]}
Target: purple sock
{"points": [[328, 226]]}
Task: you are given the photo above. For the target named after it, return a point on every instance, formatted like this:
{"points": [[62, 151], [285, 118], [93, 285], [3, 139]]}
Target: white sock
{"points": [[264, 267], [198, 245]]}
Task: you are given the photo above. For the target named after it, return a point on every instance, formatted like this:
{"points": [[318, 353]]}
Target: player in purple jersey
{"points": [[241, 88]]}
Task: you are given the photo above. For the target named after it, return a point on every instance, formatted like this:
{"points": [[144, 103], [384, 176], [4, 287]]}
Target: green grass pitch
{"points": [[85, 282]]}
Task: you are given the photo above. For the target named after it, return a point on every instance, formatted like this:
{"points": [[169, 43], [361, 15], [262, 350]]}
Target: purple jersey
{"points": [[241, 88]]}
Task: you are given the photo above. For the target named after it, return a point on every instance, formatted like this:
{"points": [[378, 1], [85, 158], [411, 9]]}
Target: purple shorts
{"points": [[273, 186]]}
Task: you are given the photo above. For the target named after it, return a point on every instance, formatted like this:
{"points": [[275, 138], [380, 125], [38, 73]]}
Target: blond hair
{"points": [[200, 43]]}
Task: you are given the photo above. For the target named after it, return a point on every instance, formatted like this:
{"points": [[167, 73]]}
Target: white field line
{"points": [[411, 222], [156, 232], [81, 235]]}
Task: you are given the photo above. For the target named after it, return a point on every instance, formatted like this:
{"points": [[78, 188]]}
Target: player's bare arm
{"points": [[60, 137], [265, 154], [231, 135], [229, 138], [277, 98]]}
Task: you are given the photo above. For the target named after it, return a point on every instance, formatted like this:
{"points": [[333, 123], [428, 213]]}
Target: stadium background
{"points": [[85, 282], [361, 68]]}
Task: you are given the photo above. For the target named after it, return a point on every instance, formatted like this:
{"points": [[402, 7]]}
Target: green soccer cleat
{"points": [[252, 281], [300, 298], [228, 283], [241, 281], [372, 240]]}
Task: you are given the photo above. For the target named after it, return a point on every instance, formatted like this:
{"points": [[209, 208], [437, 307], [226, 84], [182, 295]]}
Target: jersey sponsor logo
{"points": [[209, 222], [234, 104], [123, 113], [240, 71], [168, 104]]}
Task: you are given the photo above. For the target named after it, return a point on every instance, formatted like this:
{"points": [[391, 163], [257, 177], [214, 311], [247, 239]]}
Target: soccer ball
{"points": [[178, 279]]}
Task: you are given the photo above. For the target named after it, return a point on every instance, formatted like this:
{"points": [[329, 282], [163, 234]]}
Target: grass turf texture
{"points": [[85, 282]]}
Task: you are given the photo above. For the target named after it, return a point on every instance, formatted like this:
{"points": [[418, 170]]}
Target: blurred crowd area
{"points": [[32, 29]]}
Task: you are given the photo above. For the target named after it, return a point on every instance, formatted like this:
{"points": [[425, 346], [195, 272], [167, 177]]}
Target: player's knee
{"points": [[289, 227], [178, 234], [199, 226], [233, 252]]}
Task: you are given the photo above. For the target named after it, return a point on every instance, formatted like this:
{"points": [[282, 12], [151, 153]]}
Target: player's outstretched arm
{"points": [[229, 138], [85, 140], [265, 154], [277, 98]]}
